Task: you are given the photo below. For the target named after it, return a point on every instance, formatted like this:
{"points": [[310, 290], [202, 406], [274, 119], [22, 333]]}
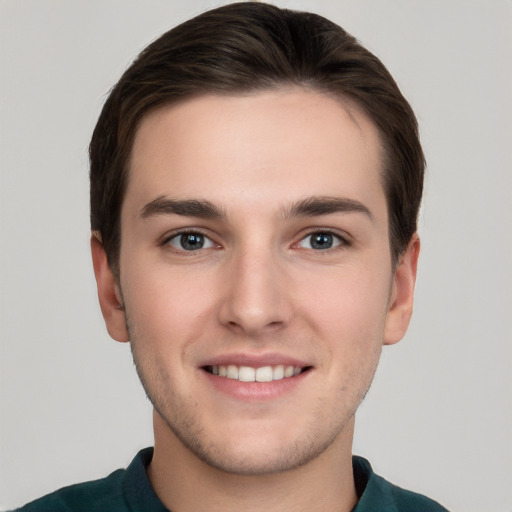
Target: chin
{"points": [[256, 460], [255, 452]]}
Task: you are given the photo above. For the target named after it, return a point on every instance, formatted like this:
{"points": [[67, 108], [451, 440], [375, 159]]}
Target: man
{"points": [[256, 177]]}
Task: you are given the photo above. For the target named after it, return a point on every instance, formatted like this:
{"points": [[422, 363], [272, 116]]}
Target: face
{"points": [[255, 274]]}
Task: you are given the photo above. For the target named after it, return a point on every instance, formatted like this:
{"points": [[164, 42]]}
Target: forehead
{"points": [[274, 146]]}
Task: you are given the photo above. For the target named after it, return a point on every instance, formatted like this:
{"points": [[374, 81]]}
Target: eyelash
{"points": [[167, 239], [342, 241]]}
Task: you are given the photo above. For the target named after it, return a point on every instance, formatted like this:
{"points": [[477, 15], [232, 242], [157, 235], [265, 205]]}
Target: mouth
{"points": [[260, 374]]}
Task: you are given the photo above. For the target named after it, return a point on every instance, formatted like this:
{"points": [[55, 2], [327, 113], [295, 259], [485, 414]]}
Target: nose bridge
{"points": [[254, 298]]}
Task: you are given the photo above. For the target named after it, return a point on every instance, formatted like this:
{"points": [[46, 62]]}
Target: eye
{"points": [[190, 241], [321, 240]]}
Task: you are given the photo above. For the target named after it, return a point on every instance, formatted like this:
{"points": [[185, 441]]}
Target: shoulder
{"points": [[123, 490], [413, 502], [375, 491], [93, 496]]}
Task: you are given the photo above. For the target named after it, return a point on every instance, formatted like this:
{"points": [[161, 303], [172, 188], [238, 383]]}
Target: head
{"points": [[255, 181], [248, 47]]}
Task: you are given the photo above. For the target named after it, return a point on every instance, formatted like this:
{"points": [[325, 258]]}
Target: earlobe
{"points": [[108, 292], [402, 295]]}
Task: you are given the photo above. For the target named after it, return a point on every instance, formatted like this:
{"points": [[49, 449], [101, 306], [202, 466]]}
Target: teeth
{"points": [[264, 374], [249, 374], [278, 373], [232, 372]]}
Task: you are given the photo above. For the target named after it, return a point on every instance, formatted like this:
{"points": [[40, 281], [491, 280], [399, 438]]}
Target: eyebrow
{"points": [[309, 207], [186, 207], [325, 205]]}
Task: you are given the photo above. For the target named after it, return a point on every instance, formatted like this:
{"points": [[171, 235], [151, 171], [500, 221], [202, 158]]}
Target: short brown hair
{"points": [[244, 47]]}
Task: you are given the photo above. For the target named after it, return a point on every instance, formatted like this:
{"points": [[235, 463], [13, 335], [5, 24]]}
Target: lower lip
{"points": [[256, 391]]}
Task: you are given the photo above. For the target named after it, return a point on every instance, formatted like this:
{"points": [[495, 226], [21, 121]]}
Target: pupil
{"points": [[321, 241], [192, 241]]}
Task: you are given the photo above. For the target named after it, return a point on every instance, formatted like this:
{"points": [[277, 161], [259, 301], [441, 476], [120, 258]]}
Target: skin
{"points": [[258, 290]]}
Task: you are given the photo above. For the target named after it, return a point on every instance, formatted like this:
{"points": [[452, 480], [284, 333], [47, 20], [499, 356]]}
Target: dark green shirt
{"points": [[130, 491]]}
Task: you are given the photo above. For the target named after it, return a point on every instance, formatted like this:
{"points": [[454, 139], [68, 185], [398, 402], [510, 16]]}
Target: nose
{"points": [[254, 301]]}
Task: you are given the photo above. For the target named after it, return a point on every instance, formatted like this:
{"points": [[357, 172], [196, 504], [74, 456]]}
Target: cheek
{"points": [[349, 301], [348, 319], [166, 305]]}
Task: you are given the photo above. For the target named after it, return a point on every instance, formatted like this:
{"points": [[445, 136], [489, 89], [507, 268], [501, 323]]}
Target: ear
{"points": [[109, 294], [402, 293]]}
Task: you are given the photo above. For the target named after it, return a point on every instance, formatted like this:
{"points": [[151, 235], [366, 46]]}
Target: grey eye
{"points": [[320, 241], [190, 241]]}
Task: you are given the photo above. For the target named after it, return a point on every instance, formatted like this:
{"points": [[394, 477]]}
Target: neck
{"points": [[185, 483]]}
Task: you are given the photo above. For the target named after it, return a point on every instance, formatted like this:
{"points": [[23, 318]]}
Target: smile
{"points": [[250, 374]]}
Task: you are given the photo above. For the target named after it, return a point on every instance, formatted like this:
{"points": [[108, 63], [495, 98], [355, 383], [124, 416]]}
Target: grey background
{"points": [[438, 418]]}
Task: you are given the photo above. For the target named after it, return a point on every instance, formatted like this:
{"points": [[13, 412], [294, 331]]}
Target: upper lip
{"points": [[254, 360]]}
